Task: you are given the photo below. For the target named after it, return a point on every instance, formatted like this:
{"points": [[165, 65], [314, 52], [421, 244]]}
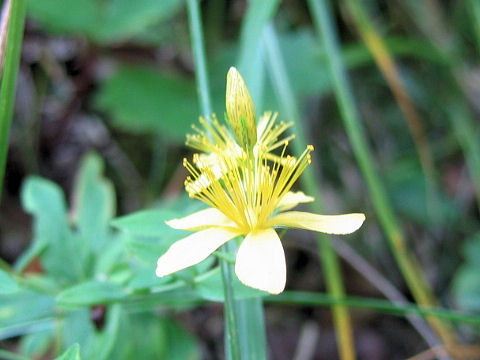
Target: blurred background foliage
{"points": [[117, 77]]}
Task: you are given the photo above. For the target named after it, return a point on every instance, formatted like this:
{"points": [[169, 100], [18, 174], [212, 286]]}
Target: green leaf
{"points": [[144, 100], [8, 355], [471, 250], [94, 204], [211, 288], [145, 337], [125, 18], [12, 308], [36, 344], [406, 184], [145, 278], [7, 284], [69, 16], [147, 252], [149, 223], [110, 254], [73, 353], [180, 344], [104, 342], [77, 327], [101, 21], [42, 283], [90, 293], [466, 287], [45, 201]]}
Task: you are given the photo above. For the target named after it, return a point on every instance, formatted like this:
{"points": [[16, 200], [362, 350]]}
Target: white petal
{"points": [[192, 249], [261, 261], [330, 224], [201, 220], [292, 199]]}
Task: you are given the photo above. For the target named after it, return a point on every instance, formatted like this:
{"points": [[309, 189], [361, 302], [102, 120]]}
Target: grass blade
{"points": [[410, 269], [383, 306], [329, 258], [9, 78]]}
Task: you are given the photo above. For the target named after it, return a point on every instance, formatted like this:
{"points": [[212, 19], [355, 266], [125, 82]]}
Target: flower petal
{"points": [[192, 249], [201, 220], [261, 261], [330, 224], [292, 199]]}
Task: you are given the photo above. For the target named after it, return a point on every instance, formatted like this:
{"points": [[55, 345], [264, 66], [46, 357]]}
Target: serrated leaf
{"points": [[144, 100], [94, 202], [45, 201], [90, 293]]}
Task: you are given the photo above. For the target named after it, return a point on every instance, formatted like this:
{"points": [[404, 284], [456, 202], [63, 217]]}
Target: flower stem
{"points": [[232, 348], [9, 79], [231, 335], [410, 269], [198, 49], [330, 261]]}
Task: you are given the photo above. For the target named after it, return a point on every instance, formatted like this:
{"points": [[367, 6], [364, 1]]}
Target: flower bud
{"points": [[240, 110]]}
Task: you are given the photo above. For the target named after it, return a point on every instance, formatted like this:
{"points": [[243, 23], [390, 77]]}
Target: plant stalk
{"points": [[330, 261], [410, 269], [232, 343], [9, 78]]}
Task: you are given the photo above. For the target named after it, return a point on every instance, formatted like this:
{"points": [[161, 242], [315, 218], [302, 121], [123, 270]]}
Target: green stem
{"points": [[9, 78], [232, 351], [474, 7], [330, 261], [384, 306], [198, 49], [410, 269], [232, 337]]}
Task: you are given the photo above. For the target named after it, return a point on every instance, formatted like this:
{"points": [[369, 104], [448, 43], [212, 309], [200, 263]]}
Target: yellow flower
{"points": [[248, 191]]}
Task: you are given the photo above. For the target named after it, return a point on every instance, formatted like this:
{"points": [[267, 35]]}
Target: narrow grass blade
{"points": [[474, 6], [412, 273], [9, 78], [330, 261], [387, 66], [232, 343], [430, 19], [384, 306], [251, 48], [198, 50], [4, 21]]}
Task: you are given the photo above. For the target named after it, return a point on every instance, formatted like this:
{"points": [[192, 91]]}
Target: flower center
{"points": [[246, 187]]}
